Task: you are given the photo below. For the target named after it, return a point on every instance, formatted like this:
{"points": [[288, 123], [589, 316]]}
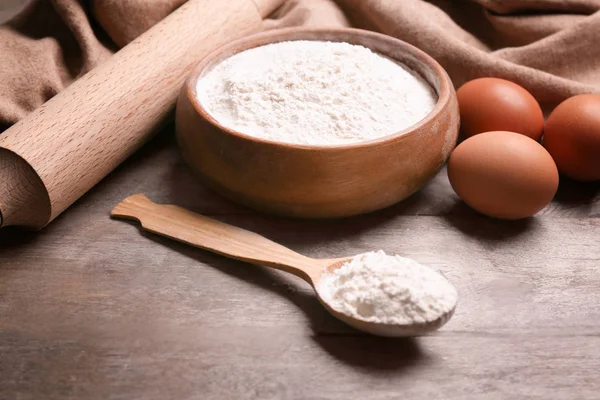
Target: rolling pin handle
{"points": [[66, 146], [24, 200]]}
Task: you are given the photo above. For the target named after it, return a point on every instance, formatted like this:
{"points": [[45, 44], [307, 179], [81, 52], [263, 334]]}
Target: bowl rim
{"points": [[281, 35]]}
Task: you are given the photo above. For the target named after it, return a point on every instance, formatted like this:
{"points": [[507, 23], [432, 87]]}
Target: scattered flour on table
{"points": [[381, 288], [314, 93]]}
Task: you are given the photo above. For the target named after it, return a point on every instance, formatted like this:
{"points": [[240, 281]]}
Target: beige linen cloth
{"points": [[551, 47]]}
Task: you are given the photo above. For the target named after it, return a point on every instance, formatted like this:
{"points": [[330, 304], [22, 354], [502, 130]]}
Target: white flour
{"points": [[377, 287], [314, 93]]}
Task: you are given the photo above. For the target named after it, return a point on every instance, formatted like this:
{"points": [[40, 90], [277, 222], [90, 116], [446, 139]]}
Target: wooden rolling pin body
{"points": [[61, 150]]}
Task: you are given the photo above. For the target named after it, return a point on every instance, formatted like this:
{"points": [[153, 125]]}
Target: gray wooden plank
{"points": [[93, 308], [254, 364], [541, 276]]}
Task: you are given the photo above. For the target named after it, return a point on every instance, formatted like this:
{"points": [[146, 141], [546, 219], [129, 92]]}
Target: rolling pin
{"points": [[56, 154]]}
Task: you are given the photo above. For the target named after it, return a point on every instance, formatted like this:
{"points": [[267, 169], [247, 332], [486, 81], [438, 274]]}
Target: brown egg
{"points": [[572, 136], [492, 104], [503, 174]]}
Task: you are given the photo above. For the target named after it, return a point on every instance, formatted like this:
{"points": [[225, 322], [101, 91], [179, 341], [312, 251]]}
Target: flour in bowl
{"points": [[381, 288], [314, 93]]}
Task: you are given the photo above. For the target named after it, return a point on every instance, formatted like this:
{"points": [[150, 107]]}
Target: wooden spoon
{"points": [[194, 229]]}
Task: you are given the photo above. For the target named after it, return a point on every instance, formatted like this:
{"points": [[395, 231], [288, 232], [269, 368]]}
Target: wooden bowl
{"points": [[314, 181]]}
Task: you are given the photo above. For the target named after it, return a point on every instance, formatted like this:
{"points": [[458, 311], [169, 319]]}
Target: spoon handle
{"points": [[185, 226]]}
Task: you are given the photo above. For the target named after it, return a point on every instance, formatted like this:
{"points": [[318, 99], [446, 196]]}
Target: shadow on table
{"points": [[374, 353], [577, 194], [14, 238], [336, 338], [471, 223]]}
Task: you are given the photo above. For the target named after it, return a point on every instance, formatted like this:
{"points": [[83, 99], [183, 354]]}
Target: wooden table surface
{"points": [[93, 308]]}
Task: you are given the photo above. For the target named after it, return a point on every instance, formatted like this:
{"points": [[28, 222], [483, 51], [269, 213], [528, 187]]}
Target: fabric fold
{"points": [[548, 46]]}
